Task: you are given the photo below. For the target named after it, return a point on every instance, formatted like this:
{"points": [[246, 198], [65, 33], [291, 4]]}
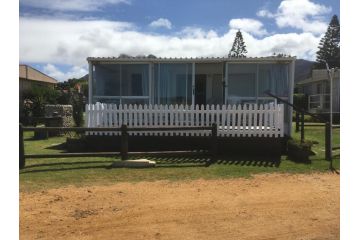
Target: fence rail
{"points": [[124, 130], [248, 120]]}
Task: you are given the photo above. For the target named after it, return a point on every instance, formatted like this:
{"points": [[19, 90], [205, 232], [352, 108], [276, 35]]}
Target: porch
{"points": [[247, 120]]}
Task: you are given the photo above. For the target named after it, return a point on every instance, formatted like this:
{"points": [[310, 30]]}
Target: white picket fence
{"points": [[236, 121]]}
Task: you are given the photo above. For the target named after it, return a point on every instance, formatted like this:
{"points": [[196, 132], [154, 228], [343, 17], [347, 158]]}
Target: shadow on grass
{"points": [[67, 163], [60, 146], [161, 162]]}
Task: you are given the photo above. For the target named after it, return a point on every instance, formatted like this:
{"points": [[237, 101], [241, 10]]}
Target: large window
{"points": [[247, 83], [121, 83], [173, 83], [242, 83]]}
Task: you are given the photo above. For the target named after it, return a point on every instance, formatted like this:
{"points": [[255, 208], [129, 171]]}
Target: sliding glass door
{"points": [[247, 83], [173, 83], [121, 83]]}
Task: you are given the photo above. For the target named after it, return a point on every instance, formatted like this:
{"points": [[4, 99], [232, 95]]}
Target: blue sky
{"points": [[56, 36]]}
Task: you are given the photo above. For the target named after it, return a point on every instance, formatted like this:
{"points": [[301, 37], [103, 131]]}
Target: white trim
{"points": [[257, 82], [291, 70], [193, 82], [191, 60], [119, 97], [226, 84], [186, 79]]}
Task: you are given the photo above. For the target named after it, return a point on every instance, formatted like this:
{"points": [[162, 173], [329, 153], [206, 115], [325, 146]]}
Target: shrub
{"points": [[77, 108], [36, 98]]}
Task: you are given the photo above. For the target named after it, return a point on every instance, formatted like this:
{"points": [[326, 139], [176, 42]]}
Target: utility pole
{"points": [[330, 78]]}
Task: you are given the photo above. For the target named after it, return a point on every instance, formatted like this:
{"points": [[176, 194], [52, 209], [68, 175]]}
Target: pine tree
{"points": [[238, 47], [329, 46]]}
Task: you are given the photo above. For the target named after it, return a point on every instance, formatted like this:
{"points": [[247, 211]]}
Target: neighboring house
{"points": [[193, 81], [30, 77], [317, 88]]}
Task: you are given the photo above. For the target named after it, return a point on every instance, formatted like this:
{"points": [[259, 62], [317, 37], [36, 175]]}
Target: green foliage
{"points": [[300, 100], [76, 99], [329, 46], [238, 48], [36, 98], [78, 104], [85, 89], [64, 98]]}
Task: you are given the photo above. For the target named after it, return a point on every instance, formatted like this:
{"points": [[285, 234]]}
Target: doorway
{"points": [[200, 89]]}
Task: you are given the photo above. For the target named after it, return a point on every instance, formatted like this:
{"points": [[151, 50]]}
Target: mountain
{"points": [[303, 69]]}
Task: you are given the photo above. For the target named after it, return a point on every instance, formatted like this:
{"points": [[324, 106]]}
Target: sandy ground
{"points": [[270, 206]]}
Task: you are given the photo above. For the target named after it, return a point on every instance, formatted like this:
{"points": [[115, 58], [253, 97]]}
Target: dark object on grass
{"points": [[300, 152]]}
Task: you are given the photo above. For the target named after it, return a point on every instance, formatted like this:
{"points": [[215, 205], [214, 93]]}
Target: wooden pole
{"points": [[296, 121], [124, 142], [214, 142], [328, 144], [302, 129], [21, 148]]}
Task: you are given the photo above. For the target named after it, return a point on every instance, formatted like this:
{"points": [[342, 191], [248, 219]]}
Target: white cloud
{"points": [[249, 25], [51, 41], [300, 14], [74, 72], [195, 32], [71, 5], [161, 22], [265, 13]]}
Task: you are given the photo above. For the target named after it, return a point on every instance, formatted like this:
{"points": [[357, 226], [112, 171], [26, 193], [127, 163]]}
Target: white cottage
{"points": [[141, 91]]}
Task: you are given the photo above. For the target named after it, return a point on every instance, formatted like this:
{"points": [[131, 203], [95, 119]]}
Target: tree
{"points": [[238, 47], [329, 46]]}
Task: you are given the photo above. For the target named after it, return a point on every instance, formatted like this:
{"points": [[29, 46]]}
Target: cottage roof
{"points": [[32, 74], [319, 75], [191, 59]]}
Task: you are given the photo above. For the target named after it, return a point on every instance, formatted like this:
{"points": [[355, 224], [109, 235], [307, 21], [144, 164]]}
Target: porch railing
{"points": [[249, 120]]}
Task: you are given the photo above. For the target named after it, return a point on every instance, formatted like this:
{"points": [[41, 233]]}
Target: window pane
{"points": [[173, 83], [134, 101], [273, 77], [280, 76], [107, 80], [134, 79], [242, 80], [265, 79]]}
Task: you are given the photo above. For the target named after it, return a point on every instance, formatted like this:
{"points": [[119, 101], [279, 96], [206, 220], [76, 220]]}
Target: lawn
{"points": [[52, 173]]}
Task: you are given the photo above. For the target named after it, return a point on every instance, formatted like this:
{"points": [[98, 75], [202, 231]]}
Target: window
{"points": [[265, 80], [319, 88], [121, 83], [241, 83], [173, 83], [136, 85]]}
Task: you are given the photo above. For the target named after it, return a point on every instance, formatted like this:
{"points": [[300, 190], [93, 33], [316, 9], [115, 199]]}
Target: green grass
{"points": [[52, 173]]}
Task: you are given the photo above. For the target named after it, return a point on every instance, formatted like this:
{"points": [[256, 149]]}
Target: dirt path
{"points": [[269, 206]]}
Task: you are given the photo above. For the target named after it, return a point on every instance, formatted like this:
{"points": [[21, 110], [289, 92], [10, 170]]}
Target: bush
{"points": [[35, 100], [77, 108], [72, 97]]}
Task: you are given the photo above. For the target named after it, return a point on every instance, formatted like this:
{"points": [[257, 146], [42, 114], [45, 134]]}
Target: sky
{"points": [[56, 36]]}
